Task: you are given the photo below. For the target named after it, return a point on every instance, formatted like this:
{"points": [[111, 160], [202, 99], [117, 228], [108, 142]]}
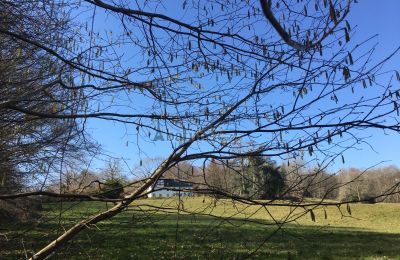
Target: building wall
{"points": [[167, 193]]}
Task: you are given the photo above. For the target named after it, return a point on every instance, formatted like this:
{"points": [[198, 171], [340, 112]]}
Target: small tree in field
{"points": [[274, 182], [112, 189]]}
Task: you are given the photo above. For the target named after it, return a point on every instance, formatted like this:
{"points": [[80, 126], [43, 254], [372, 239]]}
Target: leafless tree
{"points": [[31, 81], [371, 185]]}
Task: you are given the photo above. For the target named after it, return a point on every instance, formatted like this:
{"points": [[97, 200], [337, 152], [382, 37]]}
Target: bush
{"points": [[112, 189], [349, 197]]}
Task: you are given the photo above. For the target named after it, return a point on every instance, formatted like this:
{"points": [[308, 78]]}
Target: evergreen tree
{"points": [[263, 179]]}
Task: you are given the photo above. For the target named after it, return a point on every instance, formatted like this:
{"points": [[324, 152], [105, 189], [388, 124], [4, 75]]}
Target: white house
{"points": [[170, 187]]}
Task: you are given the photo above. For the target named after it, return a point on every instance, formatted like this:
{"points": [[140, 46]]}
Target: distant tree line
{"points": [[108, 183], [367, 185], [261, 178], [252, 177]]}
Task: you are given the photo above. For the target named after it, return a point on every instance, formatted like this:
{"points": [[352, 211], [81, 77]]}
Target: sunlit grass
{"points": [[152, 229]]}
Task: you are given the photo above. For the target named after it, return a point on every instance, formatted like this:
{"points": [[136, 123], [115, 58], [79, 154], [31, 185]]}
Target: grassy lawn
{"points": [[152, 229]]}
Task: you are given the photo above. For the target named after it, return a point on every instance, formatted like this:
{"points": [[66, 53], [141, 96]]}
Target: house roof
{"points": [[175, 183]]}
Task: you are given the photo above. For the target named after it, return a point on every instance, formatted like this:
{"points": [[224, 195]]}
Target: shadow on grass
{"points": [[161, 236]]}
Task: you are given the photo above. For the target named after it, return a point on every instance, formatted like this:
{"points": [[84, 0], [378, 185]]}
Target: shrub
{"points": [[112, 189]]}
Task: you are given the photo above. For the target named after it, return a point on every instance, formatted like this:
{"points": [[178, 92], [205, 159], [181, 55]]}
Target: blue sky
{"points": [[371, 17], [382, 18]]}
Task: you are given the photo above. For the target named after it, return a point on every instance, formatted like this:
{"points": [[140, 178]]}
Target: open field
{"points": [[220, 230]]}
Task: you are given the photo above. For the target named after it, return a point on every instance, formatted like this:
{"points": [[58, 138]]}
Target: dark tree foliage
{"points": [[112, 189], [264, 179], [274, 183]]}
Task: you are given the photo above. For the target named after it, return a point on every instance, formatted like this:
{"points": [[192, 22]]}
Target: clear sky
{"points": [[382, 18], [371, 17]]}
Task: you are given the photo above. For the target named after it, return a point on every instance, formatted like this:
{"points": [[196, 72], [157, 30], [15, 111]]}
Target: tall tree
{"points": [[31, 79]]}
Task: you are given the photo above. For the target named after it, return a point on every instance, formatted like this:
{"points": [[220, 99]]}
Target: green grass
{"points": [[219, 230]]}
